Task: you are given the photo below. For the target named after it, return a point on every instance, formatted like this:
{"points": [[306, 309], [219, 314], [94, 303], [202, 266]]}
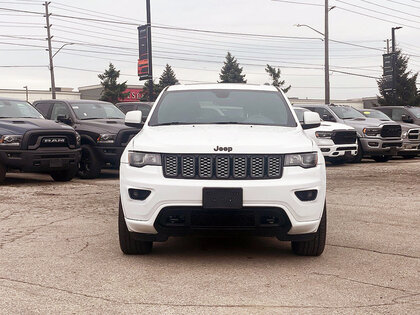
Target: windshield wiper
{"points": [[175, 123]]}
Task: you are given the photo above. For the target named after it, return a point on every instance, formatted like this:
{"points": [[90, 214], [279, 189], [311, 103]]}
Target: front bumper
{"points": [[110, 154], [40, 160], [377, 146], [412, 147], [141, 216]]}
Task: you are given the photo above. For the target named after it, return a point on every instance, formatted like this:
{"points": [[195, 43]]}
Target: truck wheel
{"points": [[381, 158], [64, 176], [2, 173], [89, 166], [316, 246], [359, 156], [128, 245]]}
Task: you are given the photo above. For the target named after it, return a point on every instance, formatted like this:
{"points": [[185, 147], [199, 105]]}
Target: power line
{"points": [[402, 3], [298, 2], [392, 9]]}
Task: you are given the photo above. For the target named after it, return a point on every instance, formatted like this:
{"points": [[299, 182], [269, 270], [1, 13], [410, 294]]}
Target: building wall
{"points": [[94, 92], [34, 95]]}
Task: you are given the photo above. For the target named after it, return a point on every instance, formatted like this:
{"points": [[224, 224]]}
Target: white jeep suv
{"points": [[222, 158]]}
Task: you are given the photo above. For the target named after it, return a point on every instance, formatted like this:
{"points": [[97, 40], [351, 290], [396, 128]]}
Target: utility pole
{"points": [[394, 66], [149, 38], [327, 57], [47, 17], [26, 89], [387, 46]]}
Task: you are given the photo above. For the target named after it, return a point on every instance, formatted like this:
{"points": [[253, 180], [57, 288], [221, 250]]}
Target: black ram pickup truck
{"points": [[30, 143], [101, 127]]}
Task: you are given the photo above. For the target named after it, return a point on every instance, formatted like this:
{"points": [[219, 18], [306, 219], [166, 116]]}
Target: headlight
{"points": [[323, 134], [305, 160], [405, 134], [106, 138], [10, 140], [78, 139], [371, 131], [140, 159]]}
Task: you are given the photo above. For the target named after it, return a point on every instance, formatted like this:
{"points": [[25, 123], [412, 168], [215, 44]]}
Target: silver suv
{"points": [[377, 139]]}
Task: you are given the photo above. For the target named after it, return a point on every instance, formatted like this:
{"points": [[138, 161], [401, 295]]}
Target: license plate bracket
{"points": [[222, 198], [54, 163]]}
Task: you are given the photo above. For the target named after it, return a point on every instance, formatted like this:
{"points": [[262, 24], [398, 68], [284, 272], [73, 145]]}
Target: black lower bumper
{"points": [[110, 155], [248, 221], [40, 160]]}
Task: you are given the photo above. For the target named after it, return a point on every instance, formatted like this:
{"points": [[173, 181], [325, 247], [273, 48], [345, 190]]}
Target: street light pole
{"points": [[47, 17], [149, 37], [394, 66], [26, 89], [327, 53]]}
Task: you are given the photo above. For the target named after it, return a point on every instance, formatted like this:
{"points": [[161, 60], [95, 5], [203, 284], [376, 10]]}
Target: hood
{"points": [[102, 125], [407, 126], [18, 126], [204, 139], [330, 126], [360, 123]]}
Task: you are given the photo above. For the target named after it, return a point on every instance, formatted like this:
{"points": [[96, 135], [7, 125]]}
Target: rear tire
{"points": [[359, 156], [2, 173], [89, 166], [65, 175], [128, 245], [316, 246], [381, 158]]}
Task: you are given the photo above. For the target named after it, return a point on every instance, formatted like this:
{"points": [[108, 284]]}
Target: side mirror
{"points": [[327, 117], [407, 119], [64, 119], [311, 120], [134, 119]]}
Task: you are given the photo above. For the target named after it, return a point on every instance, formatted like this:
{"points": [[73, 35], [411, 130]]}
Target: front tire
{"points": [[90, 166], [64, 176], [2, 173], [359, 156], [128, 245], [314, 247]]}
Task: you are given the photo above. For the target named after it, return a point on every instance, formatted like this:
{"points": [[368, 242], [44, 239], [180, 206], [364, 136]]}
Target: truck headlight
{"points": [[371, 131], [323, 134], [305, 160], [140, 159], [106, 138], [13, 140]]}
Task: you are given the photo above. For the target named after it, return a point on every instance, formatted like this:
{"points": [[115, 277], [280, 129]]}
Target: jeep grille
{"points": [[201, 166]]}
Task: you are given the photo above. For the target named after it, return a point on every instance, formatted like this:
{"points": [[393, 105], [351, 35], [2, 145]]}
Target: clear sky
{"points": [[198, 57]]}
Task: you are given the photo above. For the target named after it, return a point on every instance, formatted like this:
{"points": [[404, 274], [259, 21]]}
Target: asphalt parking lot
{"points": [[59, 253]]}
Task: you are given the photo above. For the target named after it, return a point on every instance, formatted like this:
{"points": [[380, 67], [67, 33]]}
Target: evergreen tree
{"points": [[275, 75], [167, 78], [406, 90], [231, 72], [113, 91]]}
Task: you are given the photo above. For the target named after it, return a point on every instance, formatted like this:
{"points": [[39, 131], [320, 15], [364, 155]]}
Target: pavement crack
{"points": [[374, 251], [364, 282]]}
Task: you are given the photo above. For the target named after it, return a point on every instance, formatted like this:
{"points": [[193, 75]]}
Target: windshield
{"points": [[223, 106], [86, 111], [415, 111], [346, 112], [18, 109], [376, 114]]}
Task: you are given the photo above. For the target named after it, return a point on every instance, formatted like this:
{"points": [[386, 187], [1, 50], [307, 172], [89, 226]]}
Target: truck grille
{"points": [[48, 139], [391, 131], [414, 134], [344, 137], [201, 166]]}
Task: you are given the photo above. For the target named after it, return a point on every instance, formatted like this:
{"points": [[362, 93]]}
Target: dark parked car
{"points": [[145, 107], [407, 114], [410, 133], [30, 143], [101, 127]]}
